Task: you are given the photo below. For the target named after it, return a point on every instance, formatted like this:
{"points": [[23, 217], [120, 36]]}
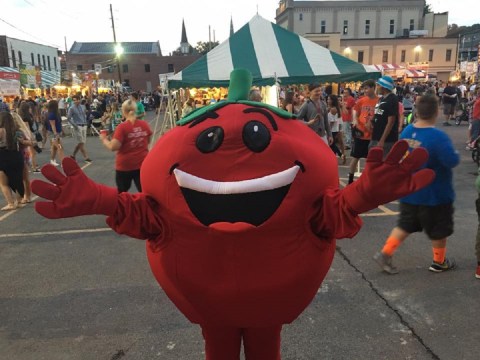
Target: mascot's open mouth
{"points": [[247, 201]]}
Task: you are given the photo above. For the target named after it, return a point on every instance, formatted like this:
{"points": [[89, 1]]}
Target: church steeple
{"points": [[184, 45], [231, 26]]}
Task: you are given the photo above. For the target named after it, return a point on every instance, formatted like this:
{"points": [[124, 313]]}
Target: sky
{"points": [[49, 22]]}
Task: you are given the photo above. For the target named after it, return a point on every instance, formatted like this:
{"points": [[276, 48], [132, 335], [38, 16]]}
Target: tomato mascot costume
{"points": [[240, 208]]}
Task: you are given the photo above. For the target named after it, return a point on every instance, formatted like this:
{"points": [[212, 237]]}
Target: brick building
{"points": [[138, 66]]}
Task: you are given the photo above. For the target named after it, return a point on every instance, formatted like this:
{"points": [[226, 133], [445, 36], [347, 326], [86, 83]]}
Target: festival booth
{"points": [[275, 56], [9, 83]]}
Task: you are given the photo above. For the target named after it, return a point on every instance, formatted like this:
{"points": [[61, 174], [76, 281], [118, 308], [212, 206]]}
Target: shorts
{"points": [[80, 134], [359, 148], [387, 146], [436, 221], [448, 109]]}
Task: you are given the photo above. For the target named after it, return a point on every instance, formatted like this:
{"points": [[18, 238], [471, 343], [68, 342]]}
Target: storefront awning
{"points": [[50, 78], [386, 67], [412, 73]]}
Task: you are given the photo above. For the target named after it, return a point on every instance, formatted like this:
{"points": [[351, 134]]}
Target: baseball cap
{"points": [[386, 82]]}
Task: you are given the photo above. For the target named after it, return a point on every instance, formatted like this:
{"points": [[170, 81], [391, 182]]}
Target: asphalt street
{"points": [[73, 289]]}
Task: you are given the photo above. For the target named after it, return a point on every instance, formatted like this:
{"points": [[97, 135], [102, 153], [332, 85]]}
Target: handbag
{"points": [[38, 136]]}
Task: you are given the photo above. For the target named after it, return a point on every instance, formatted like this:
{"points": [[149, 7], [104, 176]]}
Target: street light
{"points": [[347, 51], [417, 50], [119, 51]]}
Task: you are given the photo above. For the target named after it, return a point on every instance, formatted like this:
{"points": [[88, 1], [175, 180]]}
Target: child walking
{"points": [[431, 208]]}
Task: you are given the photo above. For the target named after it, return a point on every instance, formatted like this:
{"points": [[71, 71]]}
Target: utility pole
{"points": [[115, 41]]}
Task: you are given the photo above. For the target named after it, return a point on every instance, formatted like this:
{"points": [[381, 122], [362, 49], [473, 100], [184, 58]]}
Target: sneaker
{"points": [[446, 123], [385, 262], [53, 162], [88, 160], [36, 171], [448, 264], [477, 274]]}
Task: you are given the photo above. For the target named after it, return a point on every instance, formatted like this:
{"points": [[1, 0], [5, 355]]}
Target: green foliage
{"points": [[427, 9], [205, 47]]}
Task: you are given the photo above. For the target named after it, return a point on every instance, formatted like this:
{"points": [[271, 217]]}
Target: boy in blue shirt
{"points": [[431, 208]]}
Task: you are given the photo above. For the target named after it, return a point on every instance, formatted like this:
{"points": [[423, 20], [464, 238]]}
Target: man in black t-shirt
{"points": [[449, 97], [385, 121]]}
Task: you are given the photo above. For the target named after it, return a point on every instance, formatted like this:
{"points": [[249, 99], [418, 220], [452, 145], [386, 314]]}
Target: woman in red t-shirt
{"points": [[130, 141]]}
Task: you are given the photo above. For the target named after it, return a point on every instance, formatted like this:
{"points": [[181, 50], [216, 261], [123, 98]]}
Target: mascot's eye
{"points": [[256, 136], [210, 139]]}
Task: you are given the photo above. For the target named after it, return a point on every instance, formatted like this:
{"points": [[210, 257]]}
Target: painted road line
{"points": [[59, 232], [11, 212]]}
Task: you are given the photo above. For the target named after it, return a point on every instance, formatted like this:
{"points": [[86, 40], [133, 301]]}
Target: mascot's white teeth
{"points": [[268, 182]]}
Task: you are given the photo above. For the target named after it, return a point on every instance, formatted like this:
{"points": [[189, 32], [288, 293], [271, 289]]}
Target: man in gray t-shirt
{"points": [[314, 113], [77, 117]]}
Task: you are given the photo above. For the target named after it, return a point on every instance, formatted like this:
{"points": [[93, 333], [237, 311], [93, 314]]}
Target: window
{"points": [[367, 27], [125, 68], [385, 56], [430, 55], [20, 59], [171, 68], [33, 59], [147, 67], [14, 59], [93, 66], [448, 55], [300, 17], [412, 24], [402, 56], [79, 67], [345, 27], [392, 26], [322, 26], [110, 69], [360, 57], [44, 63], [49, 66], [55, 63], [39, 62]]}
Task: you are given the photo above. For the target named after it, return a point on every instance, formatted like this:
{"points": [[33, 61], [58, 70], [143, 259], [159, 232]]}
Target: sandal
{"points": [[9, 207], [25, 201]]}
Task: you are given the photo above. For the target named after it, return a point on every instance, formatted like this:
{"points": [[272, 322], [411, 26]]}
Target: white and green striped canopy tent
{"points": [[272, 54]]}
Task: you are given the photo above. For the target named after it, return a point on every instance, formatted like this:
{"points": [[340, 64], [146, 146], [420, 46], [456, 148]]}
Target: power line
{"points": [[33, 36]]}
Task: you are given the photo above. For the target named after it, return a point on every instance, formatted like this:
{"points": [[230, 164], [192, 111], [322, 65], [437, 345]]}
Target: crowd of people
{"points": [[382, 113], [29, 124], [378, 114]]}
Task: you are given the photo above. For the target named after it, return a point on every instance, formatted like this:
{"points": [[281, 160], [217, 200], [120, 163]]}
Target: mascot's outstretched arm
{"points": [[382, 181], [74, 194]]}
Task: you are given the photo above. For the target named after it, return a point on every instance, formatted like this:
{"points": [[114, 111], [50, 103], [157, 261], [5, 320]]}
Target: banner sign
{"points": [[30, 76], [9, 87], [6, 75]]}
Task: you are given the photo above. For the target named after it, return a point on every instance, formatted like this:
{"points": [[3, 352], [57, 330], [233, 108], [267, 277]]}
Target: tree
{"points": [[427, 9], [204, 47], [178, 52]]}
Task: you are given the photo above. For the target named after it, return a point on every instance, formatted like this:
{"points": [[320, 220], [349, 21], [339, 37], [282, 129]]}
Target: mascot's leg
{"points": [[222, 343], [262, 343]]}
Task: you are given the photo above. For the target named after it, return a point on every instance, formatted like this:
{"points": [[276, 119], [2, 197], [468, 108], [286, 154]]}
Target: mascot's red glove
{"points": [[385, 181], [72, 195]]}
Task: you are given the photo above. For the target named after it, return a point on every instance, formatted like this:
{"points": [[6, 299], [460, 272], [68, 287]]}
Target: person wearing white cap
{"points": [[385, 121]]}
